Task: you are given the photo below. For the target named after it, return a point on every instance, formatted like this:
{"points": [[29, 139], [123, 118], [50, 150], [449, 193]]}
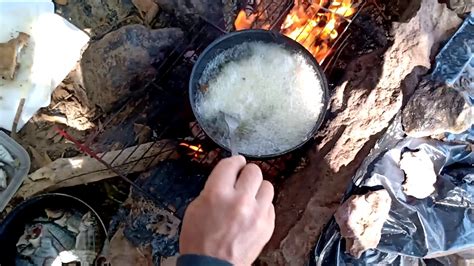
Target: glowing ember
{"points": [[192, 147], [243, 21], [315, 25]]}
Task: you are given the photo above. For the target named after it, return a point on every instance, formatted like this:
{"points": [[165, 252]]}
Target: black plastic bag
{"points": [[437, 226]]}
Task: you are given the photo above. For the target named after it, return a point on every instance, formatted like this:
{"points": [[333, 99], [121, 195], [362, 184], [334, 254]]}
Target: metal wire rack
{"points": [[169, 89]]}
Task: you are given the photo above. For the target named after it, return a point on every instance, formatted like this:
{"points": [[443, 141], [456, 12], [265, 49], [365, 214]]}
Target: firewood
{"points": [[68, 172]]}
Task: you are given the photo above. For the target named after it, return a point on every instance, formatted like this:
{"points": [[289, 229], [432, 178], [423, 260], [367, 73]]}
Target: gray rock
{"points": [[434, 109], [461, 6], [123, 60], [99, 16], [219, 12]]}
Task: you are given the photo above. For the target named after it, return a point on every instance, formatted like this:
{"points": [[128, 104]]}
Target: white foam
{"points": [[276, 94]]}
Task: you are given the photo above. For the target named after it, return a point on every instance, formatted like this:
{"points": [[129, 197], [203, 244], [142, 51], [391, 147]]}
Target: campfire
{"points": [[317, 25]]}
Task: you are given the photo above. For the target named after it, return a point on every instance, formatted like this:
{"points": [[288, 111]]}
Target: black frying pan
{"points": [[230, 41]]}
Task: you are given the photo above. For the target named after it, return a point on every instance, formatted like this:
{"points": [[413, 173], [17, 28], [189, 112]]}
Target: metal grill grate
{"points": [[170, 88]]}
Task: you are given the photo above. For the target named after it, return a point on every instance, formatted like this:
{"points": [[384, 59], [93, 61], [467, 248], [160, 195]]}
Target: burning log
{"points": [[260, 14], [68, 172], [316, 26]]}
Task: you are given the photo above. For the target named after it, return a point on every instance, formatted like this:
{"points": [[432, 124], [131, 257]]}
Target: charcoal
{"points": [[115, 66], [175, 183]]}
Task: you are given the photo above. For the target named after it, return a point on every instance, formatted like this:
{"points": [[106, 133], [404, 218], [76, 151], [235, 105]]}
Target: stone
{"points": [[435, 109], [361, 219], [371, 94], [461, 6], [96, 16], [193, 7], [220, 12], [122, 61]]}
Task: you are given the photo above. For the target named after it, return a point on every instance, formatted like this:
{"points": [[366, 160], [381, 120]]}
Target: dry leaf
{"points": [[38, 158], [122, 252], [148, 9], [142, 133], [171, 261], [61, 2], [59, 119]]}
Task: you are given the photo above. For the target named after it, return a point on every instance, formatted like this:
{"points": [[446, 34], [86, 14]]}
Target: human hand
{"points": [[233, 217]]}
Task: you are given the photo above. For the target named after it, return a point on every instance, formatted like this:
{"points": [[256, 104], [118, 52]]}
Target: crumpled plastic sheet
{"points": [[455, 62], [435, 227], [467, 136]]}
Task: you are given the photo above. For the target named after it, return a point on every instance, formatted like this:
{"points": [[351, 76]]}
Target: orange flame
{"points": [[243, 22], [342, 8], [192, 147], [314, 26]]}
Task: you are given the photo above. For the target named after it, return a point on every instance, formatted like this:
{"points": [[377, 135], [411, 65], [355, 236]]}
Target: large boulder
{"points": [[436, 108], [122, 62], [219, 12], [96, 16]]}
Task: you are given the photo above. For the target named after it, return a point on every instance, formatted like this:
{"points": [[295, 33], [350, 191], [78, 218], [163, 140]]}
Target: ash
{"points": [[145, 221]]}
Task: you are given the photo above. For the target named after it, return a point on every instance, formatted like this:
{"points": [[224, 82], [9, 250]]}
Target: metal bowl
{"points": [[230, 41], [13, 226]]}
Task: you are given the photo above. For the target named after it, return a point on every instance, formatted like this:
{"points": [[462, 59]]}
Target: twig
{"points": [[19, 110], [68, 172]]}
